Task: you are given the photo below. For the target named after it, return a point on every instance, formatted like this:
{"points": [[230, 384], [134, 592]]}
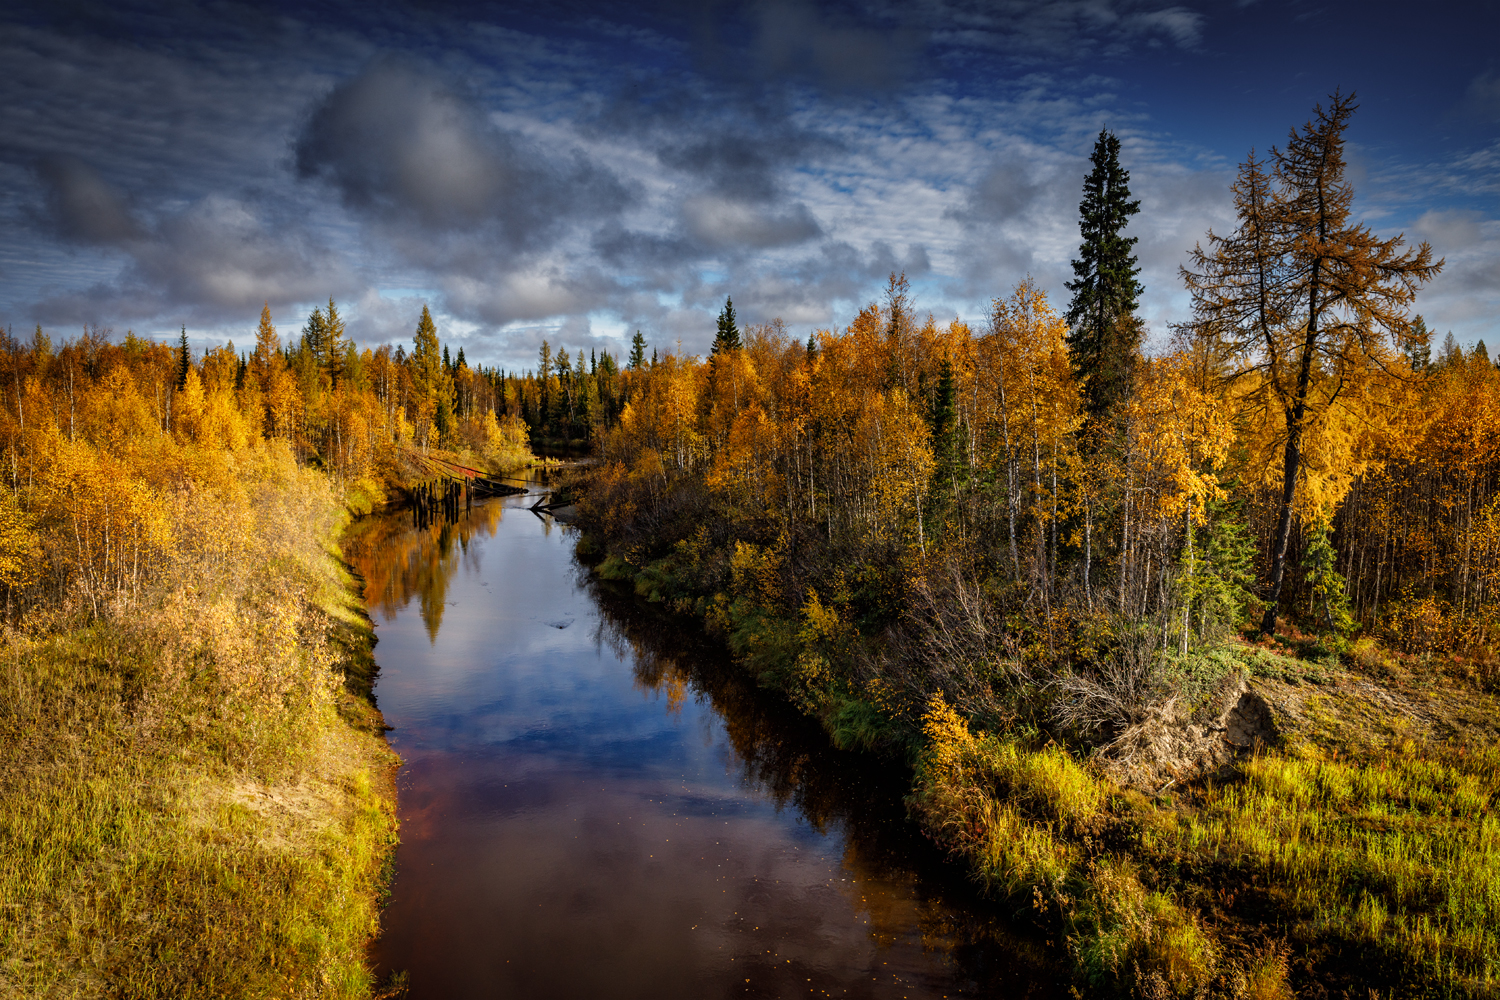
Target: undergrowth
{"points": [[1296, 867], [193, 798]]}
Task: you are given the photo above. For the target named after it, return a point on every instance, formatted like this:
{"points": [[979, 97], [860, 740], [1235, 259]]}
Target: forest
{"points": [[1191, 653], [196, 798]]}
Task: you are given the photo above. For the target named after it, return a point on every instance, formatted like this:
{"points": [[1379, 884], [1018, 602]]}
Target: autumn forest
{"points": [[1190, 653]]}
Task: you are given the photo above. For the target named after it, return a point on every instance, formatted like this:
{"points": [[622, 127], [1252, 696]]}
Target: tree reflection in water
{"points": [[901, 883], [898, 895]]}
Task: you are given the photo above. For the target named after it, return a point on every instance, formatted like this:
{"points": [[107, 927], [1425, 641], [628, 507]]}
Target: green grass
{"points": [[1383, 869], [1398, 851]]}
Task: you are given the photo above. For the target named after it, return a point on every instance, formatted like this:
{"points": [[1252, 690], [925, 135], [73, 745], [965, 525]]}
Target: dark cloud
{"points": [[1005, 193], [217, 259], [800, 41], [81, 206], [396, 144], [741, 166], [1057, 29], [725, 224]]}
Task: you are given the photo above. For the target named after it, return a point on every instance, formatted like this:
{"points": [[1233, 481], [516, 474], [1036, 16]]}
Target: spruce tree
{"points": [[184, 361], [333, 345], [944, 422], [1106, 336], [1327, 597], [314, 332], [637, 352], [1416, 345], [727, 338]]}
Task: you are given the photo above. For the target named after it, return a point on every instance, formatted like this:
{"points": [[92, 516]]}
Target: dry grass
{"points": [[184, 809]]}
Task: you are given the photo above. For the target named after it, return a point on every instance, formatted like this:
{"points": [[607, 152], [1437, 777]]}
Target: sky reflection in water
{"points": [[592, 805]]}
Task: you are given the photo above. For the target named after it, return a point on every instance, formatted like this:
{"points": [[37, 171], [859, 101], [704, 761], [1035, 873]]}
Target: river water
{"points": [[595, 804]]}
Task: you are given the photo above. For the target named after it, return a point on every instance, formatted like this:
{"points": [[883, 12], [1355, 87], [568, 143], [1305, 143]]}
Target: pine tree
{"points": [[637, 352], [1481, 353], [461, 362], [727, 338], [653, 357], [1106, 336], [812, 346], [184, 361]]}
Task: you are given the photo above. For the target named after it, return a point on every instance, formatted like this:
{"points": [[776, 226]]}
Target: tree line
{"points": [[1295, 460]]}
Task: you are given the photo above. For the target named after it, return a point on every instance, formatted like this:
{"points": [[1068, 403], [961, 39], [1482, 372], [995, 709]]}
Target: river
{"points": [[595, 804]]}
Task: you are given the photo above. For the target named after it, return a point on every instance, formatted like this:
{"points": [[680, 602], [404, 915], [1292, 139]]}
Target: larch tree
{"points": [[1310, 304], [1105, 335]]}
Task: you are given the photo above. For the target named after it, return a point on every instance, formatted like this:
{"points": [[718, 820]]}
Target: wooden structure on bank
{"points": [[452, 489]]}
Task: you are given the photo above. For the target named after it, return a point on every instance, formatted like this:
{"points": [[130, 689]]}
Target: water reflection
{"points": [[596, 804], [897, 883]]}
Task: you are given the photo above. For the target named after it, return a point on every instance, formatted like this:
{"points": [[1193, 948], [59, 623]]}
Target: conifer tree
{"points": [[1297, 287], [727, 338], [1418, 345], [637, 352], [334, 345], [944, 445], [184, 361], [428, 379], [1106, 336], [314, 336], [1325, 586]]}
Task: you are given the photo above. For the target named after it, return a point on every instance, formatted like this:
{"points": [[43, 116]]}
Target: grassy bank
{"points": [[1348, 844], [195, 798]]}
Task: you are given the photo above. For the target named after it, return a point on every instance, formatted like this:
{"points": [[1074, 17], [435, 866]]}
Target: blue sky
{"points": [[581, 170]]}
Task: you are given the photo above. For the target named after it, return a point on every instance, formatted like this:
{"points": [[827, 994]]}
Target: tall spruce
{"points": [[727, 338], [1105, 336], [637, 352], [184, 360], [334, 346]]}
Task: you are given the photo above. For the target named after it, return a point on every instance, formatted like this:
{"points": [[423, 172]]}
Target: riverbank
{"points": [[196, 799], [1309, 824]]}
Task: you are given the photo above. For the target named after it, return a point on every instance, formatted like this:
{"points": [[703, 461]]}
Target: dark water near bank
{"points": [[595, 805]]}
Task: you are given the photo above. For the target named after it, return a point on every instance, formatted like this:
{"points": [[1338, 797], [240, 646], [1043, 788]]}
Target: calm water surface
{"points": [[593, 804]]}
